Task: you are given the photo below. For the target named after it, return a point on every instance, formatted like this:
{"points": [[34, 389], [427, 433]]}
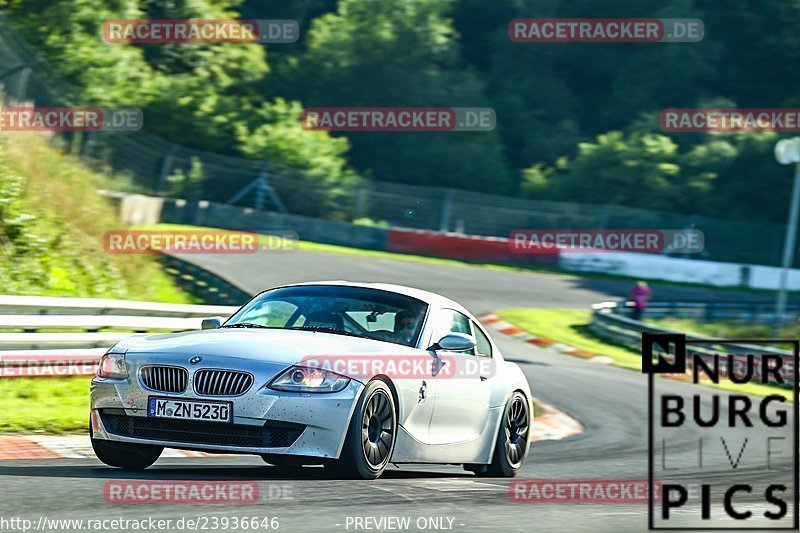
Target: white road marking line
{"points": [[456, 485], [384, 488]]}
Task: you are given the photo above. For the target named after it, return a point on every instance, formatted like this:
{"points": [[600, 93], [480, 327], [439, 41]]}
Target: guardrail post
{"points": [[602, 219], [166, 167], [447, 204], [22, 85], [361, 203]]}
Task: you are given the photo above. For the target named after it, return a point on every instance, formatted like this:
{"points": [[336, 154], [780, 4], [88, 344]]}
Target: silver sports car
{"points": [[350, 375]]}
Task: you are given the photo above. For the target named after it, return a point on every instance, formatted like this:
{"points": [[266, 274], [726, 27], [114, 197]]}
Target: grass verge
{"points": [[571, 327], [44, 405], [52, 223], [538, 409]]}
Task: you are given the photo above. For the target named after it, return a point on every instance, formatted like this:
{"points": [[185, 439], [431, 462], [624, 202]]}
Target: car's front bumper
{"points": [[264, 421]]}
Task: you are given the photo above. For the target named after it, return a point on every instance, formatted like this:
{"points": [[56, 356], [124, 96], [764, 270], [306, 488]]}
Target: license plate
{"points": [[189, 409]]}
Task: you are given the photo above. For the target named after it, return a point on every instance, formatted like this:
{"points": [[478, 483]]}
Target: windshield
{"points": [[370, 313]]}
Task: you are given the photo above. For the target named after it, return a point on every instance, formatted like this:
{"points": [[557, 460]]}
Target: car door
{"points": [[416, 407], [461, 403]]}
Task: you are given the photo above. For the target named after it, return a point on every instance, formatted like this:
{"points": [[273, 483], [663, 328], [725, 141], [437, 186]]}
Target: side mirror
{"points": [[212, 323], [455, 342]]}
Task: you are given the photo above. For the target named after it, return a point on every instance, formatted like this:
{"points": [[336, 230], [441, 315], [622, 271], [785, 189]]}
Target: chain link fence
{"points": [[150, 162]]}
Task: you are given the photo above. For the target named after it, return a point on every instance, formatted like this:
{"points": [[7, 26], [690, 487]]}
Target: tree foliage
{"points": [[576, 121]]}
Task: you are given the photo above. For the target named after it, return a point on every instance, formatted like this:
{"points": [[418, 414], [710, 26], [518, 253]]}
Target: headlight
{"points": [[303, 379], [112, 366]]}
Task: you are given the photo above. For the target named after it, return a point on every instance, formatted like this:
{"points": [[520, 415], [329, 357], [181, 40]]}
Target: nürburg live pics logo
{"points": [[725, 455]]}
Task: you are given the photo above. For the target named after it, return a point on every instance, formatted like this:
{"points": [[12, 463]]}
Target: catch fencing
{"points": [[148, 163]]}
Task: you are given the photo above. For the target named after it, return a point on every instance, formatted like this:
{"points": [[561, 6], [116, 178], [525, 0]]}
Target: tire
{"points": [[512, 439], [371, 435], [125, 455]]}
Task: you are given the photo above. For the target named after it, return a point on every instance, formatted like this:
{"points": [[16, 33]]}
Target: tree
{"points": [[400, 54], [316, 161]]}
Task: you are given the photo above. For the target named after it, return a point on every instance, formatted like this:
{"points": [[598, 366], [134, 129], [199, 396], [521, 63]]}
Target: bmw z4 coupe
{"points": [[353, 376]]}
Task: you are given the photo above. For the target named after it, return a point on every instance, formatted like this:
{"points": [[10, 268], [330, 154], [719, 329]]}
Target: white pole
{"points": [[788, 252]]}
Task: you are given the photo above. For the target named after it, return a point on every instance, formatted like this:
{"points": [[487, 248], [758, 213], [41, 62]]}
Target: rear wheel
{"points": [[125, 455], [371, 435], [512, 439]]}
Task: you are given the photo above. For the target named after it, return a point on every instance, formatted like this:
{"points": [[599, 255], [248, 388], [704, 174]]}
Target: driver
{"points": [[405, 325]]}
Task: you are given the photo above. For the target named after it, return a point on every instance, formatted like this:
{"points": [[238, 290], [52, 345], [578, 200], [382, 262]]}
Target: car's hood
{"points": [[274, 345]]}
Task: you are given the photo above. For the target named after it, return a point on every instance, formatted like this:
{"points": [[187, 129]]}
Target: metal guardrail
{"points": [[31, 345], [609, 324], [45, 305], [38, 350], [36, 341], [92, 323], [709, 311]]}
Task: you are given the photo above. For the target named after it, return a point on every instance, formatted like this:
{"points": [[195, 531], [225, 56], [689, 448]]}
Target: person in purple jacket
{"points": [[640, 295]]}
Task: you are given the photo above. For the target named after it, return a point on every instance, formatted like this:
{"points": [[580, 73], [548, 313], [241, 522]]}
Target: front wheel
{"points": [[123, 454], [371, 435], [512, 439]]}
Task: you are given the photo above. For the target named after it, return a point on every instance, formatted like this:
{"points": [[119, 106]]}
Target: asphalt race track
{"points": [[610, 402], [481, 290]]}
